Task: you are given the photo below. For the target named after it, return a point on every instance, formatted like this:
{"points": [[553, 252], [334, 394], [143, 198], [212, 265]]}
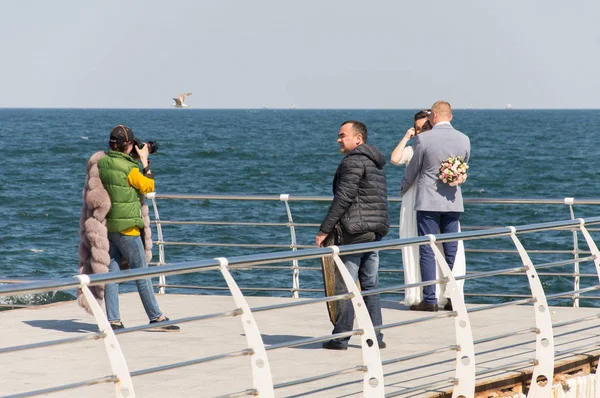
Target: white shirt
{"points": [[439, 123]]}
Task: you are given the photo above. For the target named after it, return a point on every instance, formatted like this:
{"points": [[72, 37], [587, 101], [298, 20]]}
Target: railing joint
{"points": [[237, 311]]}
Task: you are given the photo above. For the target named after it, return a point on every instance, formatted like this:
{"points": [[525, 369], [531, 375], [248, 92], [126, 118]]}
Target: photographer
{"points": [[123, 181]]}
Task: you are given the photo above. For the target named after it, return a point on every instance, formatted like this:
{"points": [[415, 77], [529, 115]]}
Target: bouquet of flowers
{"points": [[454, 171]]}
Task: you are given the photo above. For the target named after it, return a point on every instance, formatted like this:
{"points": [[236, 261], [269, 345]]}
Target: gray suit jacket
{"points": [[431, 149]]}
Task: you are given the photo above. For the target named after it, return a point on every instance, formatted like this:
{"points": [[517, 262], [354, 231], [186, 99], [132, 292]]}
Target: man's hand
{"points": [[142, 153], [320, 238]]}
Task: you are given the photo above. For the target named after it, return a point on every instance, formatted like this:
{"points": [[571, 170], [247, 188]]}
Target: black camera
{"points": [[152, 145]]}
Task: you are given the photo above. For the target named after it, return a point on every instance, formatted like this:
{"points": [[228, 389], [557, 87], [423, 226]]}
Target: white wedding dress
{"points": [[410, 255]]}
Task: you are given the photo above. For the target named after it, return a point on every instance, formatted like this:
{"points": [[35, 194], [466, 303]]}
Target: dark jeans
{"points": [[433, 222], [364, 267]]}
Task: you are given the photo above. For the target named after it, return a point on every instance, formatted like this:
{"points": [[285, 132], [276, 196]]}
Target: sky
{"points": [[333, 54]]}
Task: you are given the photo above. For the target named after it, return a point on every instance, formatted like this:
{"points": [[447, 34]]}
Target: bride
{"points": [[402, 155]]}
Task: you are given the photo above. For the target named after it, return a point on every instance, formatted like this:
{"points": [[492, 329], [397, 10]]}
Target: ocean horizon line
{"points": [[188, 109]]}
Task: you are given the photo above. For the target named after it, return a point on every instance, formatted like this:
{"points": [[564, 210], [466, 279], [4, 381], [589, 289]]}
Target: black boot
{"points": [[423, 306]]}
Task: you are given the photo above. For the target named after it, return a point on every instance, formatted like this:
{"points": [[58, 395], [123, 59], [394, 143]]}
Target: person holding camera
{"points": [[123, 181]]}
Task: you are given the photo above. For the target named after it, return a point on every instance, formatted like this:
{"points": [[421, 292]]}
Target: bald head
{"points": [[441, 112]]}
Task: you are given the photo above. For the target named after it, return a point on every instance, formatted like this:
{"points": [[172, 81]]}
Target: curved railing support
{"points": [[591, 245], [596, 253], [373, 384], [295, 270], [465, 355], [124, 385], [161, 246], [543, 371], [261, 371]]}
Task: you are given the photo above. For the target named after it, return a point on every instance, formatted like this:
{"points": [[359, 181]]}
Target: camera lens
{"points": [[152, 146]]}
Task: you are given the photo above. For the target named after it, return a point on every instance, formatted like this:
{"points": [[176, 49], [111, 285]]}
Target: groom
{"points": [[438, 204]]}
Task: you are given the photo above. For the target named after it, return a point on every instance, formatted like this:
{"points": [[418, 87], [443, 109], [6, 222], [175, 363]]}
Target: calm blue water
{"points": [[515, 154]]}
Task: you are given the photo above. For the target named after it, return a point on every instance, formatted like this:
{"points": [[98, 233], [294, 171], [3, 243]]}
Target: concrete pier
{"points": [[577, 347]]}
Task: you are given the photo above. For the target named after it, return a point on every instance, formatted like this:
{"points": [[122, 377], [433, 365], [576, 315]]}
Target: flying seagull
{"points": [[179, 101]]}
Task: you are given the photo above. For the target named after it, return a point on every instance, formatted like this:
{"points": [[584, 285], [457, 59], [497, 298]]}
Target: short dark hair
{"points": [[422, 114], [121, 146], [359, 128]]}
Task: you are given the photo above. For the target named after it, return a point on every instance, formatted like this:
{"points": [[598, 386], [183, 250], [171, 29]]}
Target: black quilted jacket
{"points": [[360, 193]]}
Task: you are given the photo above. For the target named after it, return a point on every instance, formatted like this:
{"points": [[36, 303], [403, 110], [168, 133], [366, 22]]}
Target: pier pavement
{"points": [[46, 367]]}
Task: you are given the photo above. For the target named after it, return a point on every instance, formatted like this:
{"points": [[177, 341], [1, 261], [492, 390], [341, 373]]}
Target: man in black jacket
{"points": [[360, 212]]}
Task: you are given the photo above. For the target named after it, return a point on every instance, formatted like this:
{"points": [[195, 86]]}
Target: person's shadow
{"points": [[394, 305], [64, 325], [285, 338]]}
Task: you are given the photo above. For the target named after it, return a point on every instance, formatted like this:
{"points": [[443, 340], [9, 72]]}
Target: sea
{"points": [[516, 154]]}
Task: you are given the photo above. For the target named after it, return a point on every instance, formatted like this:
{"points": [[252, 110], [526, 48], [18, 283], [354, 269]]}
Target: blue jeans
{"points": [[132, 248], [364, 267], [433, 222]]}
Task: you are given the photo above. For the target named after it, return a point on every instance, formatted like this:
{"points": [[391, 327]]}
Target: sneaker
{"points": [[334, 345], [165, 328], [117, 325], [382, 345]]}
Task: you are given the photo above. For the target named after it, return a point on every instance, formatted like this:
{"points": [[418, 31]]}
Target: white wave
{"points": [[35, 298], [84, 138], [36, 250]]}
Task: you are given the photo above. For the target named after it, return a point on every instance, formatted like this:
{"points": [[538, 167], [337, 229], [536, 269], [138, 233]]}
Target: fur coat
{"points": [[93, 235]]}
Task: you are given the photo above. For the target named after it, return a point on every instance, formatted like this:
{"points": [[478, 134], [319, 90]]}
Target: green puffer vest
{"points": [[126, 209]]}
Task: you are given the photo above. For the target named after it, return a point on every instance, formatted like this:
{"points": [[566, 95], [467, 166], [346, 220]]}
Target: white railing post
{"points": [[465, 355], [295, 270], [373, 383], [261, 371], [543, 370], [161, 246], [576, 278], [118, 365]]}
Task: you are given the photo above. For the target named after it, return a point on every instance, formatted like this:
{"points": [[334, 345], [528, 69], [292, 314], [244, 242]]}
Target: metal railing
{"points": [[371, 367], [292, 226]]}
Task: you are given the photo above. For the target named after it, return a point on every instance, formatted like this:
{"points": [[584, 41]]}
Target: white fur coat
{"points": [[93, 245]]}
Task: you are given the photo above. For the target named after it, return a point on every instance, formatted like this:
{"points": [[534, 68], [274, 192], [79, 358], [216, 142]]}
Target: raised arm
{"points": [[414, 167], [397, 155]]}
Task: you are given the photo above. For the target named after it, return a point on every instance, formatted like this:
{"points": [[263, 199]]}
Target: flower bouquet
{"points": [[454, 171]]}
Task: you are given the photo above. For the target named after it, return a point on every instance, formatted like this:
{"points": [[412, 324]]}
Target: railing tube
{"points": [[124, 385], [576, 277], [295, 270]]}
